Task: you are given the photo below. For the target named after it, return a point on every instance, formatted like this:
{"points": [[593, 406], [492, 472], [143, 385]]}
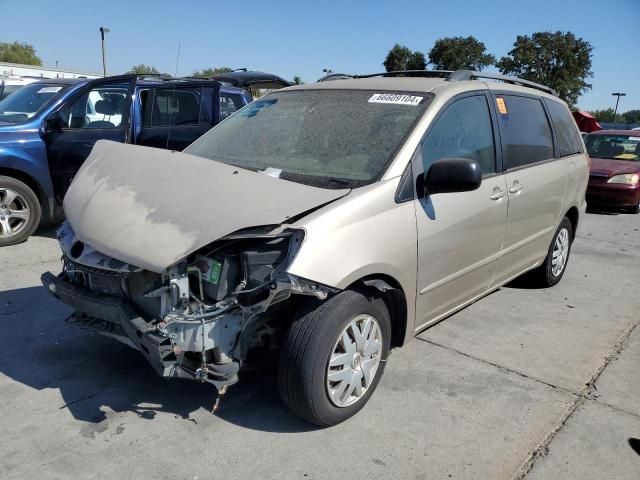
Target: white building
{"points": [[18, 70]]}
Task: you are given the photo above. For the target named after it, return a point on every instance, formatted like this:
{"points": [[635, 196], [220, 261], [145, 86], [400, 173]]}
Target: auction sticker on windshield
{"points": [[395, 99], [49, 90]]}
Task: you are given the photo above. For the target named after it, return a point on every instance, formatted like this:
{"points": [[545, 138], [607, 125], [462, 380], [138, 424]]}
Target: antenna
{"points": [[173, 92]]}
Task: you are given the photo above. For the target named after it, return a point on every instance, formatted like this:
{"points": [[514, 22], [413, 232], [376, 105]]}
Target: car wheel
{"points": [[551, 271], [19, 211], [635, 209], [333, 358]]}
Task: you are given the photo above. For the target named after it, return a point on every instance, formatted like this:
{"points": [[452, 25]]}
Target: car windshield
{"points": [[325, 138], [618, 147], [26, 102]]}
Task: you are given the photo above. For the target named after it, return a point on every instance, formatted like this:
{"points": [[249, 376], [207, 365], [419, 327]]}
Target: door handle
{"points": [[516, 187], [497, 194]]}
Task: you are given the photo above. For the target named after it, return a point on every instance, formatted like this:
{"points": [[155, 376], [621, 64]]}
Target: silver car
{"points": [[321, 226]]}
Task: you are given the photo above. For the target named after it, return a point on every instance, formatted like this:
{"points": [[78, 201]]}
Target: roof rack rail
{"points": [[448, 75], [460, 75], [409, 73]]}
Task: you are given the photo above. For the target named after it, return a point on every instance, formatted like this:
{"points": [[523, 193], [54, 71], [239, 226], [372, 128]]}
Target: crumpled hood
{"points": [[151, 207]]}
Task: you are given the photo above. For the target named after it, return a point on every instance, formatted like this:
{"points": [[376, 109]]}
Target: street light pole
{"points": [[615, 112], [103, 30]]}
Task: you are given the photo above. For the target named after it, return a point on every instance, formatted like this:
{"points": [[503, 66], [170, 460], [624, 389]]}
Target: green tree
{"points": [[402, 58], [604, 115], [416, 61], [143, 69], [632, 116], [460, 53], [297, 80], [210, 72], [558, 60], [19, 53]]}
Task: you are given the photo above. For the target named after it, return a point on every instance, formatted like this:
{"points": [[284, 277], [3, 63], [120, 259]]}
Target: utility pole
{"points": [[615, 112], [103, 30]]}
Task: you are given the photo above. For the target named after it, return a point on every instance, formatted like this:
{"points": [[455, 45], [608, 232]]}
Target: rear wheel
{"points": [[333, 358], [551, 271], [19, 211]]}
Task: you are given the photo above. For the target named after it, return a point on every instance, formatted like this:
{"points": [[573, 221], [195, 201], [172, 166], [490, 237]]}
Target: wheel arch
{"points": [[393, 295], [573, 214], [34, 185]]}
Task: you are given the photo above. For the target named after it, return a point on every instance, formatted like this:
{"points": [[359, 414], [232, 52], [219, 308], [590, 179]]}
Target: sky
{"points": [[294, 38]]}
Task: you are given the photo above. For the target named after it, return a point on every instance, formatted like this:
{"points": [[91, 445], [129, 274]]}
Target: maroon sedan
{"points": [[614, 180]]}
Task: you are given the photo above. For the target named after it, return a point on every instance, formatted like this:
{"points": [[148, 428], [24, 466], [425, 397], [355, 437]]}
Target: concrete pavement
{"points": [[522, 384]]}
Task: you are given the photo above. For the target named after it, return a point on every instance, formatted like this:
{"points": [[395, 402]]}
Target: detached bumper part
{"points": [[114, 317]]}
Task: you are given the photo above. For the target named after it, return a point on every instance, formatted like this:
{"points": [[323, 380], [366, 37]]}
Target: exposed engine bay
{"points": [[201, 318]]}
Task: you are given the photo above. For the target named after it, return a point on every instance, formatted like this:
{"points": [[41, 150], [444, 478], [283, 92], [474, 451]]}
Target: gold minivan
{"points": [[321, 226]]}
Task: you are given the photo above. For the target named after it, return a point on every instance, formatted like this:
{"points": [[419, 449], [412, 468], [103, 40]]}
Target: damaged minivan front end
{"points": [[200, 318]]}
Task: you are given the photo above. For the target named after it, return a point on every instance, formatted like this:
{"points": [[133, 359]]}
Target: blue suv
{"points": [[48, 128]]}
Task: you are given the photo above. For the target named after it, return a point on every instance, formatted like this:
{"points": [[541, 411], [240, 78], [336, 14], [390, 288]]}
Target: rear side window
{"points": [[524, 129], [172, 107], [566, 129]]}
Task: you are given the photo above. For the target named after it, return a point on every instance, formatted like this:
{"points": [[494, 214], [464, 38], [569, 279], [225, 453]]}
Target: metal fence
{"points": [[619, 126]]}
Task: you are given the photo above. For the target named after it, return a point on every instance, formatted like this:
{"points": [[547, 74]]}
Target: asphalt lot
{"points": [[542, 384]]}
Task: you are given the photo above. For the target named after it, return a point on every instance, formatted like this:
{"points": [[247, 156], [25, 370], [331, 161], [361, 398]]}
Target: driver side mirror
{"points": [[449, 175], [54, 123]]}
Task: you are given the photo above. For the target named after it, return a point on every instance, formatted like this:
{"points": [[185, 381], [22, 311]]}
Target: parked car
{"points": [[614, 179], [48, 128], [324, 223], [11, 84]]}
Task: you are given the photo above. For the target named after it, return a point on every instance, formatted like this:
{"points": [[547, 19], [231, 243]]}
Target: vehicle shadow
{"points": [[605, 211], [93, 372], [47, 231], [634, 443]]}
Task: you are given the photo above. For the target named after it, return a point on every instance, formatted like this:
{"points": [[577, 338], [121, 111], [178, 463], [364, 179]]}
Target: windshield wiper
{"points": [[339, 181]]}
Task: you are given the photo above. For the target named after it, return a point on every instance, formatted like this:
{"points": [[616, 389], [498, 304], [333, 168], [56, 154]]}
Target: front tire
{"points": [[333, 358], [19, 211], [555, 264]]}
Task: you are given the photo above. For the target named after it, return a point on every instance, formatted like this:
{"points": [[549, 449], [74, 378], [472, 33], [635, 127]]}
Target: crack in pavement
{"points": [[578, 398]]}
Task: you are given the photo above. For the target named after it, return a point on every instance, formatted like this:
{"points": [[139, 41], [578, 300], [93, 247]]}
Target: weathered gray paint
{"points": [[151, 207]]}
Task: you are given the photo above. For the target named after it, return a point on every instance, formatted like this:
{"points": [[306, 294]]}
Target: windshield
{"points": [[325, 138], [26, 102], [618, 147]]}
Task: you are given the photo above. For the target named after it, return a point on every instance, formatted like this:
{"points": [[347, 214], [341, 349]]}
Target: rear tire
{"points": [[555, 264], [20, 211], [317, 358]]}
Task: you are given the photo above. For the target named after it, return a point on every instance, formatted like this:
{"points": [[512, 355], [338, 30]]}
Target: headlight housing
{"points": [[625, 178]]}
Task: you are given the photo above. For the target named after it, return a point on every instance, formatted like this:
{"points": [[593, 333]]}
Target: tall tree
{"points": [[143, 69], [210, 72], [416, 61], [460, 53], [402, 58], [297, 80], [19, 53], [632, 116], [558, 60], [605, 115]]}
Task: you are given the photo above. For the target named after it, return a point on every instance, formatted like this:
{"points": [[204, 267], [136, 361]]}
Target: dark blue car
{"points": [[48, 128]]}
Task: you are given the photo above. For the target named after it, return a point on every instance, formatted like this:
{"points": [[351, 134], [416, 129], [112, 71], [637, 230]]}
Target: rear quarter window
{"points": [[566, 129], [524, 130]]}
